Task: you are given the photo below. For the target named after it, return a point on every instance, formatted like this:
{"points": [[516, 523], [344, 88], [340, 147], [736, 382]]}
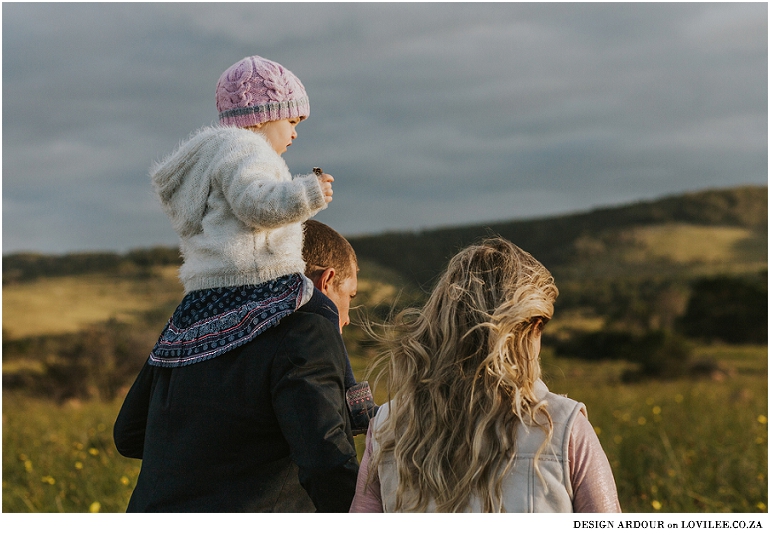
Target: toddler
{"points": [[239, 213]]}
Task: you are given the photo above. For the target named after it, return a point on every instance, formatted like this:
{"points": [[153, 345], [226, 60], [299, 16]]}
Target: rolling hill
{"points": [[713, 230], [604, 259]]}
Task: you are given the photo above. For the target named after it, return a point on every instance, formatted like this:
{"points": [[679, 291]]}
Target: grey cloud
{"points": [[427, 114]]}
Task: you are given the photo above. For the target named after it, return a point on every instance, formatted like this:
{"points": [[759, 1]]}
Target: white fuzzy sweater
{"points": [[236, 208]]}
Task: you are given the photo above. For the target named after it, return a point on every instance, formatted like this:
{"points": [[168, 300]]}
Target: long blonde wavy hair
{"points": [[461, 372]]}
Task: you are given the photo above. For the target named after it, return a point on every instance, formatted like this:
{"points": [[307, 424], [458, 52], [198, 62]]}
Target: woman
{"points": [[470, 426]]}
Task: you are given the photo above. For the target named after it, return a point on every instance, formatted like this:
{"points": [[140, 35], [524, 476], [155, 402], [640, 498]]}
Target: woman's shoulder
{"points": [[560, 406]]}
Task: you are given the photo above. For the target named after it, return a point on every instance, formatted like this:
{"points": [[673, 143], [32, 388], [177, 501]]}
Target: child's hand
{"points": [[326, 186]]}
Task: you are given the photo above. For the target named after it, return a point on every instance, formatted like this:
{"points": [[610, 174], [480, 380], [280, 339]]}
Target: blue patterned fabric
{"points": [[208, 323]]}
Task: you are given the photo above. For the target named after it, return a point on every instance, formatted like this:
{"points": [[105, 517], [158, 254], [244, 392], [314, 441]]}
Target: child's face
{"points": [[280, 133]]}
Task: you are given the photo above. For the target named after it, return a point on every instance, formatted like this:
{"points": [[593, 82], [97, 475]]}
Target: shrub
{"points": [[95, 363], [659, 353], [727, 309]]}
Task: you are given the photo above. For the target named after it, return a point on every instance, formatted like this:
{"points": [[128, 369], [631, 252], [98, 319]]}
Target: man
{"points": [[263, 427], [331, 263]]}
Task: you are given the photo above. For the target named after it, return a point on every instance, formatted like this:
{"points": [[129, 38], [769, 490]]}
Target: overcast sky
{"points": [[427, 115]]}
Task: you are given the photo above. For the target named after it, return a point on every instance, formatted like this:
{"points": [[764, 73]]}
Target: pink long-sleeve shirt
{"points": [[590, 473]]}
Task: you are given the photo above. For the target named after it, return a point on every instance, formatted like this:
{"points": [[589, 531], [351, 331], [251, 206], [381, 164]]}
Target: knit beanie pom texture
{"points": [[256, 90]]}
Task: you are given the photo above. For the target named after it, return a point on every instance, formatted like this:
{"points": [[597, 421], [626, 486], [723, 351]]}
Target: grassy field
{"points": [[679, 446], [683, 243], [56, 305], [672, 249], [59, 305], [62, 458], [686, 445]]}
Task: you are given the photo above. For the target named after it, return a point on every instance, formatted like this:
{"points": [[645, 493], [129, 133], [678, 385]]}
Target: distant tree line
{"points": [[420, 256], [722, 309], [24, 267]]}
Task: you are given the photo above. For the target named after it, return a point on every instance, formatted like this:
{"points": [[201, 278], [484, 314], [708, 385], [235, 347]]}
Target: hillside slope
{"points": [[556, 241], [733, 220]]}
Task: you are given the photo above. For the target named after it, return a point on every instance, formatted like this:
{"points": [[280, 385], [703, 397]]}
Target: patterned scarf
{"points": [[210, 322]]}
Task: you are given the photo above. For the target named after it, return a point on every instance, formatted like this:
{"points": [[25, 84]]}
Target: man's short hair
{"points": [[325, 248]]}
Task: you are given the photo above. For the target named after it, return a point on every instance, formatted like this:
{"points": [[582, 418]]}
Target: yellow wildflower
{"points": [[95, 507]]}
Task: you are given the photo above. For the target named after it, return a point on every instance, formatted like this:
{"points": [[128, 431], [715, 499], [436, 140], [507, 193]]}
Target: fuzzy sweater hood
{"points": [[236, 208]]}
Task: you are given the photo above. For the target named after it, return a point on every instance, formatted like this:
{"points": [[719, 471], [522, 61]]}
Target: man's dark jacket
{"points": [[264, 427]]}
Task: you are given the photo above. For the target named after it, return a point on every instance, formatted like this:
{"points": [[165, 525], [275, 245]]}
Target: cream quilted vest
{"points": [[523, 489]]}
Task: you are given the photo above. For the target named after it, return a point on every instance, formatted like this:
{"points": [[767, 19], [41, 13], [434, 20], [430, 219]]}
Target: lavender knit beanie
{"points": [[256, 90]]}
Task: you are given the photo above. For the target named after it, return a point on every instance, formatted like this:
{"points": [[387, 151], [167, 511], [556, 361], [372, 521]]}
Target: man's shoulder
{"points": [[301, 319], [308, 336], [308, 326]]}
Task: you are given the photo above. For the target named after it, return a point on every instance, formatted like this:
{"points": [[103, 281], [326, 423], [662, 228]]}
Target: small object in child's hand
{"points": [[318, 171]]}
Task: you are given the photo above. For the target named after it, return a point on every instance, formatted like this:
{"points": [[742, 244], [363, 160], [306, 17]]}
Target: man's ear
{"points": [[325, 280]]}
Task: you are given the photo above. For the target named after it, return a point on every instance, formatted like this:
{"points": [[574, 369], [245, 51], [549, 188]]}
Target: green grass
{"points": [[56, 305], [684, 445], [62, 458], [679, 446], [685, 244]]}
